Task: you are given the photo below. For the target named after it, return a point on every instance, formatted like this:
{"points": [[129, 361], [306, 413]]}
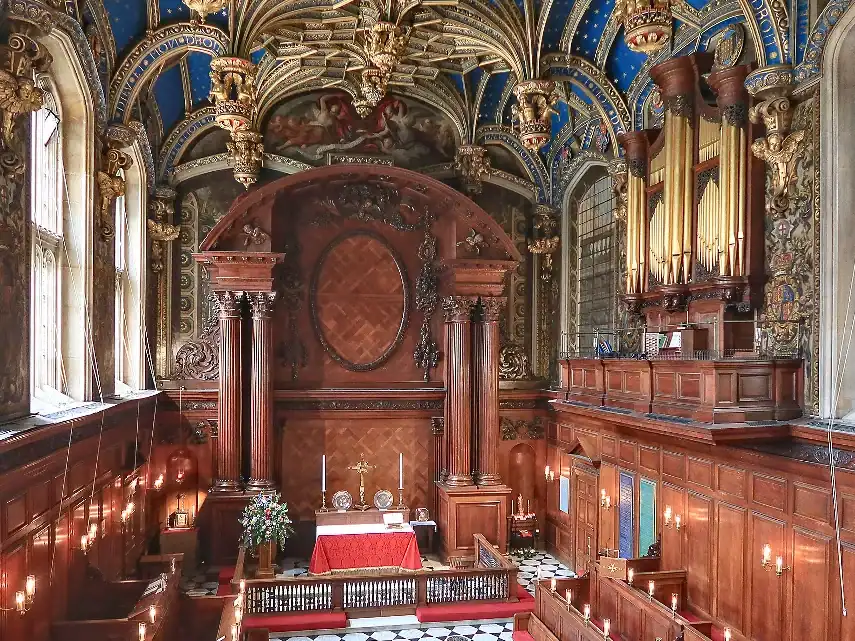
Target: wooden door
{"points": [[585, 519]]}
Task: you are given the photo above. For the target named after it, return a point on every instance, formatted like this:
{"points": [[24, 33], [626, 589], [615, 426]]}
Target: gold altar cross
{"points": [[362, 469]]}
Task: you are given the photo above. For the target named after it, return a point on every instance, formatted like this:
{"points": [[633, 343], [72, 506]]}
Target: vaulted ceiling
{"points": [[463, 57]]}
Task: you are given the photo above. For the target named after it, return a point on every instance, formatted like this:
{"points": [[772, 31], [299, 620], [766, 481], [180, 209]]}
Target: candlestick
{"points": [[30, 586], [152, 613], [767, 555], [20, 602], [607, 628], [568, 596], [401, 505], [142, 631], [401, 471], [779, 565], [586, 613], [324, 507], [650, 589], [727, 634], [324, 473], [674, 604], [552, 585], [630, 575]]}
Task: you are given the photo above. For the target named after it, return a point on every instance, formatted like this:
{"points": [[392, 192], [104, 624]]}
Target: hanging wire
{"points": [[846, 347]]}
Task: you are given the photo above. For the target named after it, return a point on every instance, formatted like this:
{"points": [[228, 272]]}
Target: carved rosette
{"points": [[647, 24], [472, 164], [233, 94], [781, 149], [532, 113], [20, 58], [514, 364], [545, 239]]}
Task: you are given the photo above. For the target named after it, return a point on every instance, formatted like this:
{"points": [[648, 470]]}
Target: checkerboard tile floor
{"points": [[493, 631], [539, 564]]}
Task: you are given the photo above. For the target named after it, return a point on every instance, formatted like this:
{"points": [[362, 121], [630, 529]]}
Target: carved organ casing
{"points": [[695, 194]]}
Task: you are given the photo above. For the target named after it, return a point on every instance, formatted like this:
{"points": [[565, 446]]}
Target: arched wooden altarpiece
{"points": [[401, 282]]}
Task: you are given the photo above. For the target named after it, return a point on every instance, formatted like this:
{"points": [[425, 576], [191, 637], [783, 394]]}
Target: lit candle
{"points": [[552, 585], [603, 497], [650, 588], [242, 586], [568, 596], [142, 631], [630, 575], [677, 521], [84, 542], [607, 628], [20, 602], [238, 614], [667, 515], [779, 564], [30, 586], [586, 612], [674, 603], [93, 530], [324, 473], [546, 472], [172, 566], [401, 471], [152, 613], [727, 634], [767, 554], [234, 632]]}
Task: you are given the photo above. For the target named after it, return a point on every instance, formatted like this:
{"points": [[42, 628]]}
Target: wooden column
{"points": [[227, 478], [486, 375], [458, 401], [261, 398]]}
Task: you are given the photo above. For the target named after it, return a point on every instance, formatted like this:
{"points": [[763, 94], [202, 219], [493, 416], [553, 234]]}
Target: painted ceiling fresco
{"points": [[454, 85]]}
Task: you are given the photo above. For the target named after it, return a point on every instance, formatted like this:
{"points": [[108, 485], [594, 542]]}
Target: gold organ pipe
{"points": [[687, 193], [732, 212], [733, 204], [668, 190], [643, 221], [741, 214]]}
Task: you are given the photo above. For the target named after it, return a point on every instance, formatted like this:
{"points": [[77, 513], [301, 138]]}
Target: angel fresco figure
{"points": [[330, 124]]}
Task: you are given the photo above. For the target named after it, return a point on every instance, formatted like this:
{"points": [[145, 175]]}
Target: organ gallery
{"points": [[454, 319]]}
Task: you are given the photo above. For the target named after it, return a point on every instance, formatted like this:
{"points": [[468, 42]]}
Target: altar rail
{"points": [[491, 578]]}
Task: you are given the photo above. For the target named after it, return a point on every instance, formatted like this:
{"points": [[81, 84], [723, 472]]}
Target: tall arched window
{"points": [[589, 261], [122, 276], [46, 217]]}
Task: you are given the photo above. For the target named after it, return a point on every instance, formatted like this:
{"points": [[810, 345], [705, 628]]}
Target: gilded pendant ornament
{"points": [[233, 93], [472, 164], [545, 239], [648, 24], [204, 8], [532, 113]]}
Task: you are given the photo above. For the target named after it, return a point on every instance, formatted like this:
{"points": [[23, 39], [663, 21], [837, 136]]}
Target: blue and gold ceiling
{"points": [[154, 55]]}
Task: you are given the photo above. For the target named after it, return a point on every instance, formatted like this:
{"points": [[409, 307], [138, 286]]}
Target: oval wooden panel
{"points": [[360, 300]]}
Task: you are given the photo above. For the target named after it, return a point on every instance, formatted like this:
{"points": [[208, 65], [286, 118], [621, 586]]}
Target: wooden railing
{"points": [[489, 577]]}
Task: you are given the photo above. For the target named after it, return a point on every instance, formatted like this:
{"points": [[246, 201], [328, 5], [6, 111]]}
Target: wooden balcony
{"points": [[709, 391]]}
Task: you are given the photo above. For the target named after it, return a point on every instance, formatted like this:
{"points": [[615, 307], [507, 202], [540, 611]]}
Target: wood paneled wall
{"points": [[732, 502], [44, 511]]}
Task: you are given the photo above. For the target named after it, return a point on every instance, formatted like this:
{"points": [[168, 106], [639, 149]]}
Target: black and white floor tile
{"points": [[490, 631], [540, 564]]}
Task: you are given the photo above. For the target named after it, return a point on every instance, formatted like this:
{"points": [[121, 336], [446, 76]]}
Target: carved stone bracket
{"points": [[160, 230], [111, 183], [20, 58], [472, 164], [781, 149], [545, 239]]}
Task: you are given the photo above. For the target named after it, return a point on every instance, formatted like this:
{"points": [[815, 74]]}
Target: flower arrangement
{"points": [[265, 520]]}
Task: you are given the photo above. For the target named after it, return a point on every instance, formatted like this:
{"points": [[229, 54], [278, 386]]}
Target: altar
{"points": [[354, 548], [372, 516]]}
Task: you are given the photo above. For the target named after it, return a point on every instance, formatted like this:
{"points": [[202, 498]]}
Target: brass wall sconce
{"points": [[549, 474], [24, 598], [605, 500], [672, 519], [766, 561]]}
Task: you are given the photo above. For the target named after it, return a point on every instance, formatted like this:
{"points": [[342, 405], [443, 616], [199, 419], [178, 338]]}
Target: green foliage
{"points": [[264, 520]]}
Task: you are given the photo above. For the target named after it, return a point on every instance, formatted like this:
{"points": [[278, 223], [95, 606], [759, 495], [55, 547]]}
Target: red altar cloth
{"points": [[343, 552]]}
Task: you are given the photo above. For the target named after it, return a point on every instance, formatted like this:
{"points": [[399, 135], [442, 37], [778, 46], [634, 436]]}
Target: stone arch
{"points": [[837, 158]]}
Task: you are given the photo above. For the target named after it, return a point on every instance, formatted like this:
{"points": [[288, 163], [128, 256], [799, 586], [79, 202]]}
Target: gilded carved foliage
{"points": [[511, 429]]}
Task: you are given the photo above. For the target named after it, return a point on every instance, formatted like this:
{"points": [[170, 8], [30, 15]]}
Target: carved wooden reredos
{"points": [[368, 252]]}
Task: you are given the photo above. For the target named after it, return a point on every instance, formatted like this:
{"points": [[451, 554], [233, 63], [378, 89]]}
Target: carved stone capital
{"points": [[229, 303], [159, 233], [493, 308], [458, 309], [120, 136], [261, 303]]}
